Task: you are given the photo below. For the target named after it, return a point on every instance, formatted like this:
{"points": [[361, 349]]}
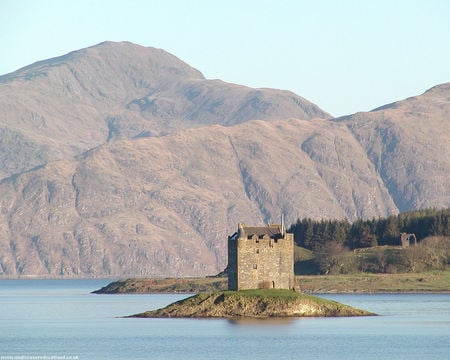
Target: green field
{"points": [[436, 281]]}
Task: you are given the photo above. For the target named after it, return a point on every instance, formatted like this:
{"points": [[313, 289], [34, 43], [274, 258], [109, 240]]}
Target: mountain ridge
{"points": [[147, 172], [392, 135], [119, 90]]}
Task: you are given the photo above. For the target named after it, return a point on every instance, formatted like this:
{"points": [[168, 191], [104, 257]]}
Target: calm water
{"points": [[59, 318]]}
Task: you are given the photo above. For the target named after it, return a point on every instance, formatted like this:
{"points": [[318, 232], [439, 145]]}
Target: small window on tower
{"points": [[257, 251], [255, 266]]}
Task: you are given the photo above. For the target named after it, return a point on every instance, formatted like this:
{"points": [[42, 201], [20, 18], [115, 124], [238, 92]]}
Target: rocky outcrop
{"points": [[254, 303]]}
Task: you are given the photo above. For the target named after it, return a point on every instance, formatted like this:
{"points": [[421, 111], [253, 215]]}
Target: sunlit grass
{"points": [[437, 281]]}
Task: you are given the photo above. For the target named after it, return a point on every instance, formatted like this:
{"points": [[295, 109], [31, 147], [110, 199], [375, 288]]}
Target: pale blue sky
{"points": [[345, 56]]}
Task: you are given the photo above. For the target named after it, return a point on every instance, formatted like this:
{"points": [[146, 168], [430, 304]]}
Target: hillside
{"points": [[120, 160], [408, 142], [163, 206], [61, 107]]}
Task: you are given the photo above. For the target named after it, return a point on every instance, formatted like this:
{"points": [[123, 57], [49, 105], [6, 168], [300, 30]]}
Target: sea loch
{"points": [[61, 319]]}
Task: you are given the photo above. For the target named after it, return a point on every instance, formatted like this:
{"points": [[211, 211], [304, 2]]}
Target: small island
{"points": [[261, 283], [259, 303]]}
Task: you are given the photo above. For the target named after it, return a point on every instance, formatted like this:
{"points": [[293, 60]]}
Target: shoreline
{"points": [[436, 282], [409, 283]]}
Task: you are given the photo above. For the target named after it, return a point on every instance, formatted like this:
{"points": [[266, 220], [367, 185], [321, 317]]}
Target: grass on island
{"points": [[281, 294], [277, 294], [270, 293]]}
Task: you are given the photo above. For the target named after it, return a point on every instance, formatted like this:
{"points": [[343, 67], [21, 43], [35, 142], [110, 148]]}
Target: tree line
{"points": [[314, 234]]}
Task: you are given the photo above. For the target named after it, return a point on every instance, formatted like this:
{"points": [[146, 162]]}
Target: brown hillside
{"points": [[64, 106], [164, 206], [408, 142], [120, 160]]}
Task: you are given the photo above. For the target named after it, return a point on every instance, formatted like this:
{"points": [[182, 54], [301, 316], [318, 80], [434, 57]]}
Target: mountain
{"points": [[164, 205], [61, 107], [408, 142], [132, 173]]}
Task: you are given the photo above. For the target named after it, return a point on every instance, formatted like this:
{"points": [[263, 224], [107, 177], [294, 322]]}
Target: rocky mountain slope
{"points": [[408, 142], [120, 160], [61, 107], [164, 205]]}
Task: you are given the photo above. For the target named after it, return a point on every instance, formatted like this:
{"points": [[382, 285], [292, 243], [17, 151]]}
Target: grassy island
{"points": [[253, 303]]}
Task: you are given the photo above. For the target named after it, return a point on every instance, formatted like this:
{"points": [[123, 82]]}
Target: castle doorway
{"points": [[273, 284]]}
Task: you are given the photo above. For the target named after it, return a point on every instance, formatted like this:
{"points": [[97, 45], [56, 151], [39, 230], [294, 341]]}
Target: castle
{"points": [[261, 258]]}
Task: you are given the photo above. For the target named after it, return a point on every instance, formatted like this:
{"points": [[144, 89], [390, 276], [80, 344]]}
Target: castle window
{"points": [[255, 266], [257, 251]]}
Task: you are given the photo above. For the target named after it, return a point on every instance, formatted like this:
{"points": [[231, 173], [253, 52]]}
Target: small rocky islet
{"points": [[253, 304]]}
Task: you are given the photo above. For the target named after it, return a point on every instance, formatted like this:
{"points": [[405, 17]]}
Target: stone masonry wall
{"points": [[258, 263]]}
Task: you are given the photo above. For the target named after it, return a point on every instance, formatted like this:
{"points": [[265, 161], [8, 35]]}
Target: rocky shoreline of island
{"points": [[268, 303]]}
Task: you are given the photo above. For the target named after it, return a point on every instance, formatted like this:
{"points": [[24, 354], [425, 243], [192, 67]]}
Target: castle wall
{"points": [[232, 264], [261, 262]]}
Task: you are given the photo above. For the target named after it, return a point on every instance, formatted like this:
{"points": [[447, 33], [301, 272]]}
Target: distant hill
{"points": [[120, 160]]}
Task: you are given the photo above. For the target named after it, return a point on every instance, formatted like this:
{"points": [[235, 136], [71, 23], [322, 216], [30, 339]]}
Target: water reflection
{"points": [[249, 321], [38, 317]]}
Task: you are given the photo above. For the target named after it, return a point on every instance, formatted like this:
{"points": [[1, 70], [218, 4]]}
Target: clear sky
{"points": [[344, 55]]}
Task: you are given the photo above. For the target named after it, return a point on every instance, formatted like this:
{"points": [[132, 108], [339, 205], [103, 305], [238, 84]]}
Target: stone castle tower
{"points": [[261, 258]]}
